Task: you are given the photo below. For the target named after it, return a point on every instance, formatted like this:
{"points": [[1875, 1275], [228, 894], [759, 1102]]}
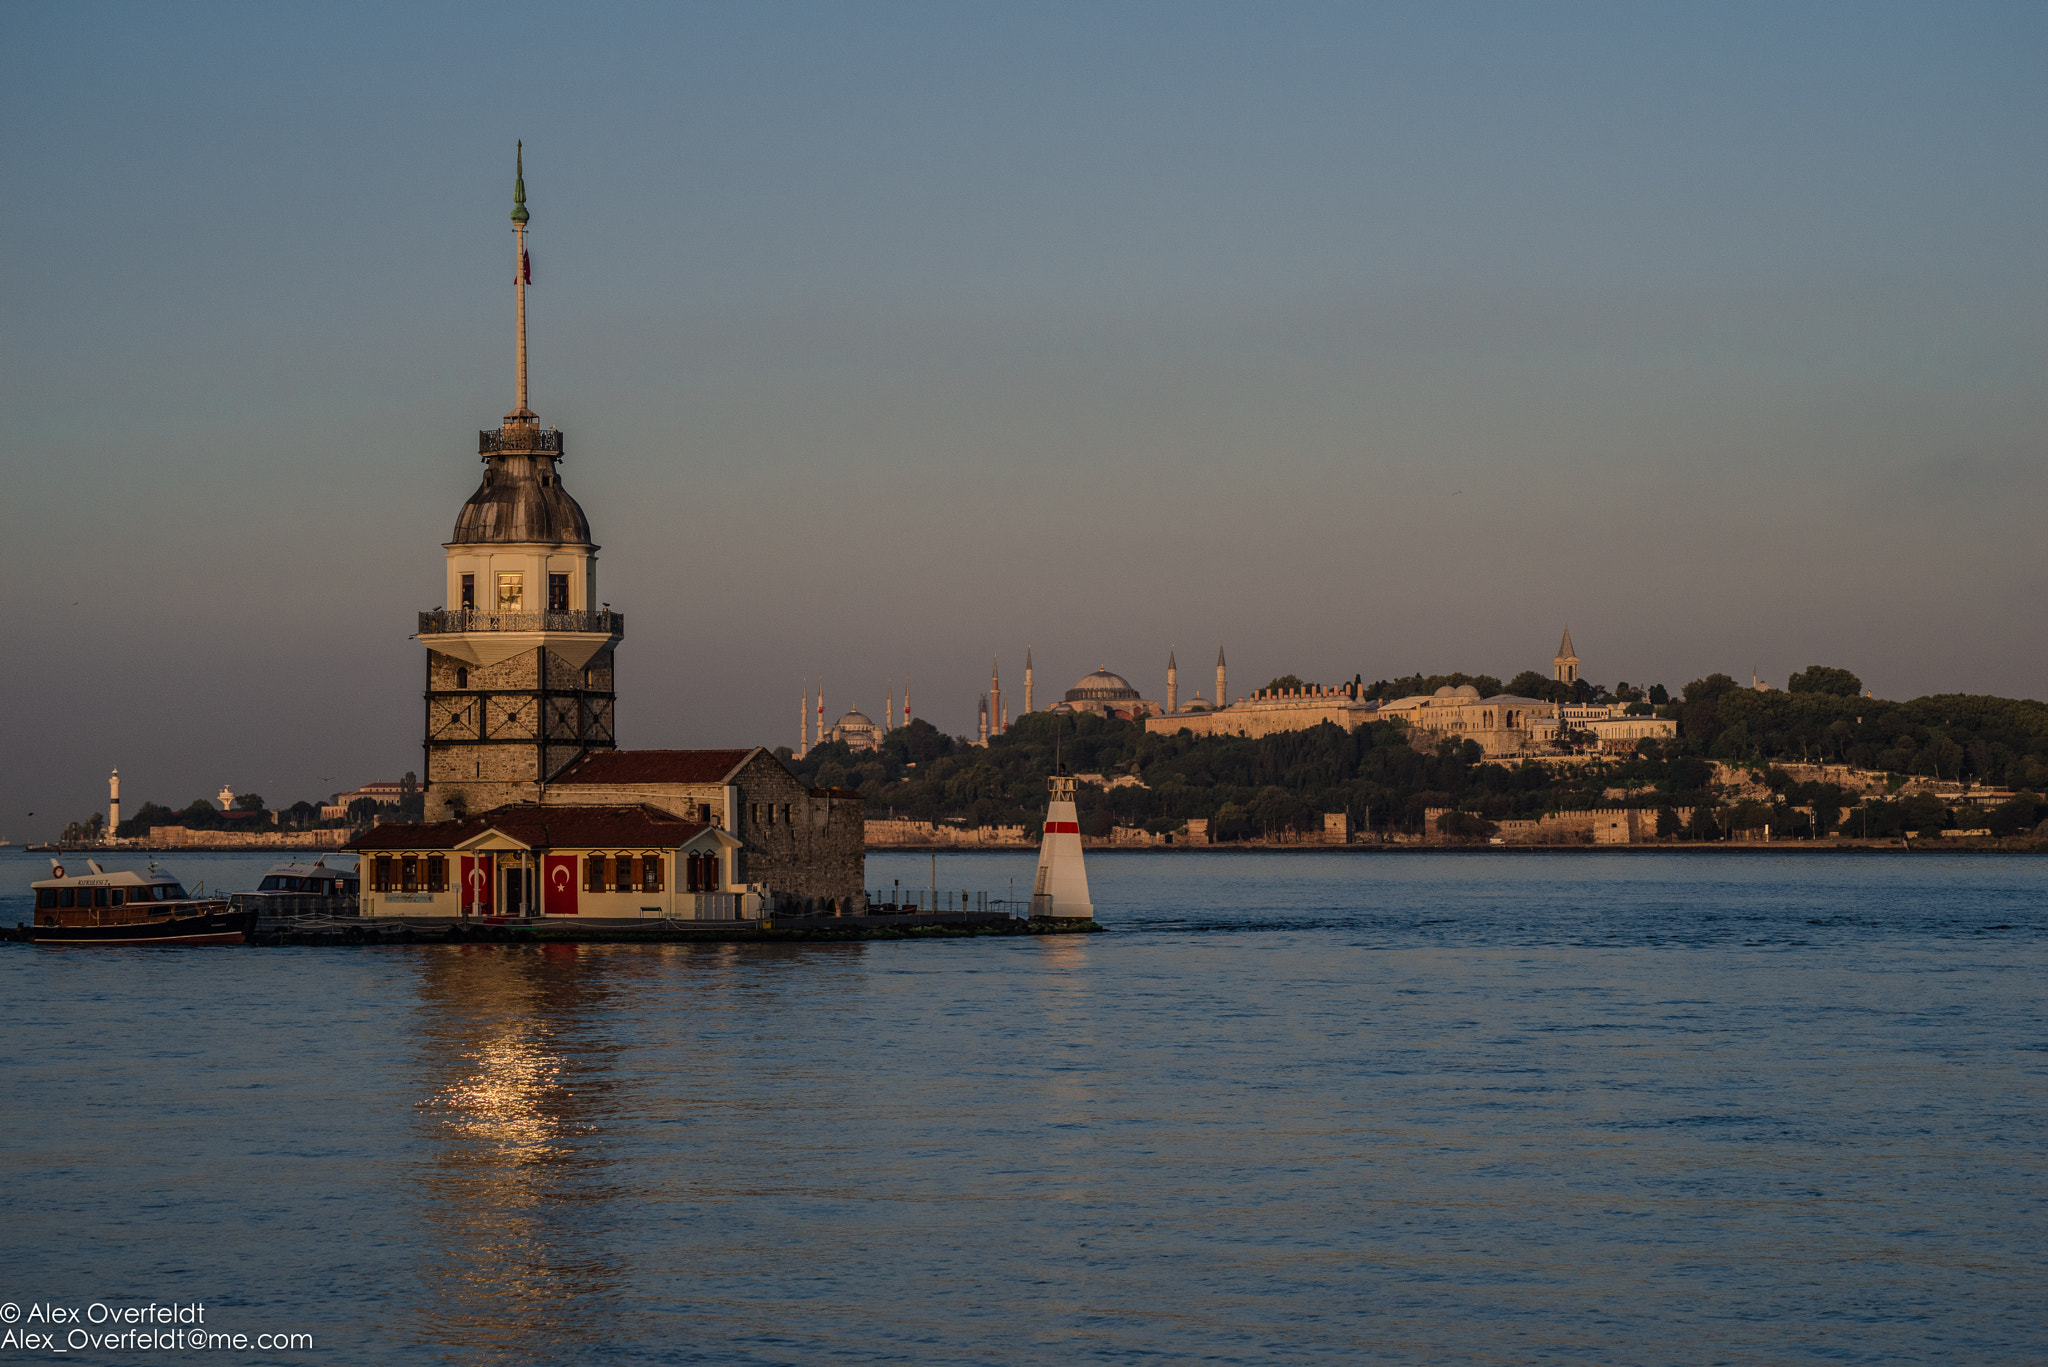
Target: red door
{"points": [[558, 876], [478, 876]]}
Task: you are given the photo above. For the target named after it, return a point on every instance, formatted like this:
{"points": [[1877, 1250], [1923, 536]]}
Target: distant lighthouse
{"points": [[1060, 891], [113, 805]]}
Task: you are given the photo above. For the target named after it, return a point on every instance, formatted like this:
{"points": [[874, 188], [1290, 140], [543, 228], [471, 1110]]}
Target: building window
{"points": [[411, 872], [558, 593], [511, 592], [468, 592], [437, 873], [380, 879], [622, 873], [462, 677], [754, 812], [650, 873]]}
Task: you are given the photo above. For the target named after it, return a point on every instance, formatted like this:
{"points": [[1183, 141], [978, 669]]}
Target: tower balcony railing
{"points": [[517, 439], [446, 621]]}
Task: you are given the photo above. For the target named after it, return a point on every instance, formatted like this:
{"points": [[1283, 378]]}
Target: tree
{"points": [[248, 802], [1704, 827], [1465, 826], [1659, 695], [1283, 683], [1669, 827], [1838, 683]]}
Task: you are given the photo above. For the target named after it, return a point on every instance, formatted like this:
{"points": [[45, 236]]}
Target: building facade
{"points": [[521, 750]]}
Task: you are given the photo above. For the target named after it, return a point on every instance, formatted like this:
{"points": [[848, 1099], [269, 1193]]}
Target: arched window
{"points": [[461, 678]]}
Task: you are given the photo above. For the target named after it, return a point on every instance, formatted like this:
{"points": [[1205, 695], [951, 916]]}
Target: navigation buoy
{"points": [[1061, 890]]}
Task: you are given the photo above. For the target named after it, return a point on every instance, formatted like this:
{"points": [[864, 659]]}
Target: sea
{"points": [[1484, 1108]]}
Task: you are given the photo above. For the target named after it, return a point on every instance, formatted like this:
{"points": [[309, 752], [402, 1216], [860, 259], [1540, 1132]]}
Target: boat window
{"points": [[99, 897], [174, 892], [118, 896], [270, 884], [46, 899], [67, 897], [353, 886]]}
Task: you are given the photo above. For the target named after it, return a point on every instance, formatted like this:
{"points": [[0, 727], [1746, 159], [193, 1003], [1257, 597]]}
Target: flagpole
{"points": [[519, 217]]}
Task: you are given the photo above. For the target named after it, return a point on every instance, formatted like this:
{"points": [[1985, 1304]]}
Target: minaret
{"points": [[889, 711], [981, 724], [906, 702], [995, 694], [1222, 696], [113, 805], [1172, 684], [803, 723], [519, 661], [1565, 668], [1027, 679]]}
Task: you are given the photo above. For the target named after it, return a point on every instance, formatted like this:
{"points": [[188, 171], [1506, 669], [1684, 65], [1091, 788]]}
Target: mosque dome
{"points": [[521, 499], [856, 719], [1445, 692], [1102, 686], [1467, 691]]}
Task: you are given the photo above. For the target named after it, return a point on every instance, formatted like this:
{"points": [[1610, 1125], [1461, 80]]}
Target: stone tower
{"points": [[1172, 684], [995, 695], [519, 664], [1565, 668]]}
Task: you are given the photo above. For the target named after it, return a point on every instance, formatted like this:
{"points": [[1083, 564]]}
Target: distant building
{"points": [[855, 730], [1107, 695], [383, 794]]}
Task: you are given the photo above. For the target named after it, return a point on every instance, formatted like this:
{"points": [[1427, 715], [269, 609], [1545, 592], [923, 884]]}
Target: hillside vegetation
{"points": [[1384, 781]]}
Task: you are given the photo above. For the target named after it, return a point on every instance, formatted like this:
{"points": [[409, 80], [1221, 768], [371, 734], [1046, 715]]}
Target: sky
{"points": [[889, 339]]}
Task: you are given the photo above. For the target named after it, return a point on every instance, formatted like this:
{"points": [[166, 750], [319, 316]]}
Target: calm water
{"points": [[1294, 1109]]}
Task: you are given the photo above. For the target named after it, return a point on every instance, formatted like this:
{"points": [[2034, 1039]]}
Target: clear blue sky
{"points": [[890, 337]]}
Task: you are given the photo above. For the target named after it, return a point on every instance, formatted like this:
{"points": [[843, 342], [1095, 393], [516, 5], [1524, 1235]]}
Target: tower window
{"points": [[468, 592], [461, 678], [511, 592], [558, 593]]}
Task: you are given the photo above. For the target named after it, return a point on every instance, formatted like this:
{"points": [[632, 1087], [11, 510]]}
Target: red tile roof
{"points": [[565, 827], [653, 766]]}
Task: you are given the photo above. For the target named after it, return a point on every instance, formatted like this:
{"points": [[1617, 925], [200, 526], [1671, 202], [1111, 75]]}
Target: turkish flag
{"points": [[558, 876], [478, 875]]}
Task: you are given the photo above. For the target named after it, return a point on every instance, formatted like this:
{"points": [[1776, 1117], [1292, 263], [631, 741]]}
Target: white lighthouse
{"points": [[113, 805], [1060, 891]]}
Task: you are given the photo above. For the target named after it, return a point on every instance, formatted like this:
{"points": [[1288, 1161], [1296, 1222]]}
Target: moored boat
{"points": [[126, 908]]}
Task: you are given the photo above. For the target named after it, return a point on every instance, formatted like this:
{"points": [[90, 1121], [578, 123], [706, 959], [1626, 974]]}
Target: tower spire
{"points": [[521, 273]]}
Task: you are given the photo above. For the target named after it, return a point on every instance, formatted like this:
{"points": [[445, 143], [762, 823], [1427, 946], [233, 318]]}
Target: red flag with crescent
{"points": [[526, 267], [479, 875], [558, 877]]}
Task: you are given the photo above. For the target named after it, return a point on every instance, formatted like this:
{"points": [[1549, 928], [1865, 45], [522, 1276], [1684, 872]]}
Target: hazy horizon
{"points": [[888, 339]]}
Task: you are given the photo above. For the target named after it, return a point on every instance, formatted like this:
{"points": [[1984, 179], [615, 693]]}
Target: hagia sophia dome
{"points": [[1102, 686]]}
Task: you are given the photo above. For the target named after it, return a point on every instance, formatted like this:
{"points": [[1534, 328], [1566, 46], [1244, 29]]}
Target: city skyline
{"points": [[1338, 338]]}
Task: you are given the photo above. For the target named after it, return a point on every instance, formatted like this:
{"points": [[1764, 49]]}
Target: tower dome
{"points": [[521, 498]]}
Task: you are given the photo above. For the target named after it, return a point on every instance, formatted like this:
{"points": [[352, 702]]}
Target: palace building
{"points": [[532, 809]]}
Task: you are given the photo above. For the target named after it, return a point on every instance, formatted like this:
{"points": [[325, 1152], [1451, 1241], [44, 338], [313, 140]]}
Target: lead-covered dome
{"points": [[1102, 686], [522, 499]]}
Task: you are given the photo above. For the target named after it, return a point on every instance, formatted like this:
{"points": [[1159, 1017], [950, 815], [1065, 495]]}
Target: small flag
{"points": [[526, 267]]}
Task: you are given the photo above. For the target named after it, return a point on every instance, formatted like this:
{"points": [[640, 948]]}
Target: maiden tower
{"points": [[519, 662]]}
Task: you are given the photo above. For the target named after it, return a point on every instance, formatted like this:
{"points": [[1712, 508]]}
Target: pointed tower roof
{"points": [[1219, 657], [1564, 647], [519, 214], [1027, 657], [1169, 659]]}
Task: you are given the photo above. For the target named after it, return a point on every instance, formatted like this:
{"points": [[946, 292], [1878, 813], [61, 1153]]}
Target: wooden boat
{"points": [[101, 908]]}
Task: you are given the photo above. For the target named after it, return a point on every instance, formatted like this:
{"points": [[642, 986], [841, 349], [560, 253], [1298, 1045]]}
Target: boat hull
{"points": [[207, 928]]}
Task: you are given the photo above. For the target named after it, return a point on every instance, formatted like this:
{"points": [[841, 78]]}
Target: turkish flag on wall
{"points": [[558, 876], [477, 878]]}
